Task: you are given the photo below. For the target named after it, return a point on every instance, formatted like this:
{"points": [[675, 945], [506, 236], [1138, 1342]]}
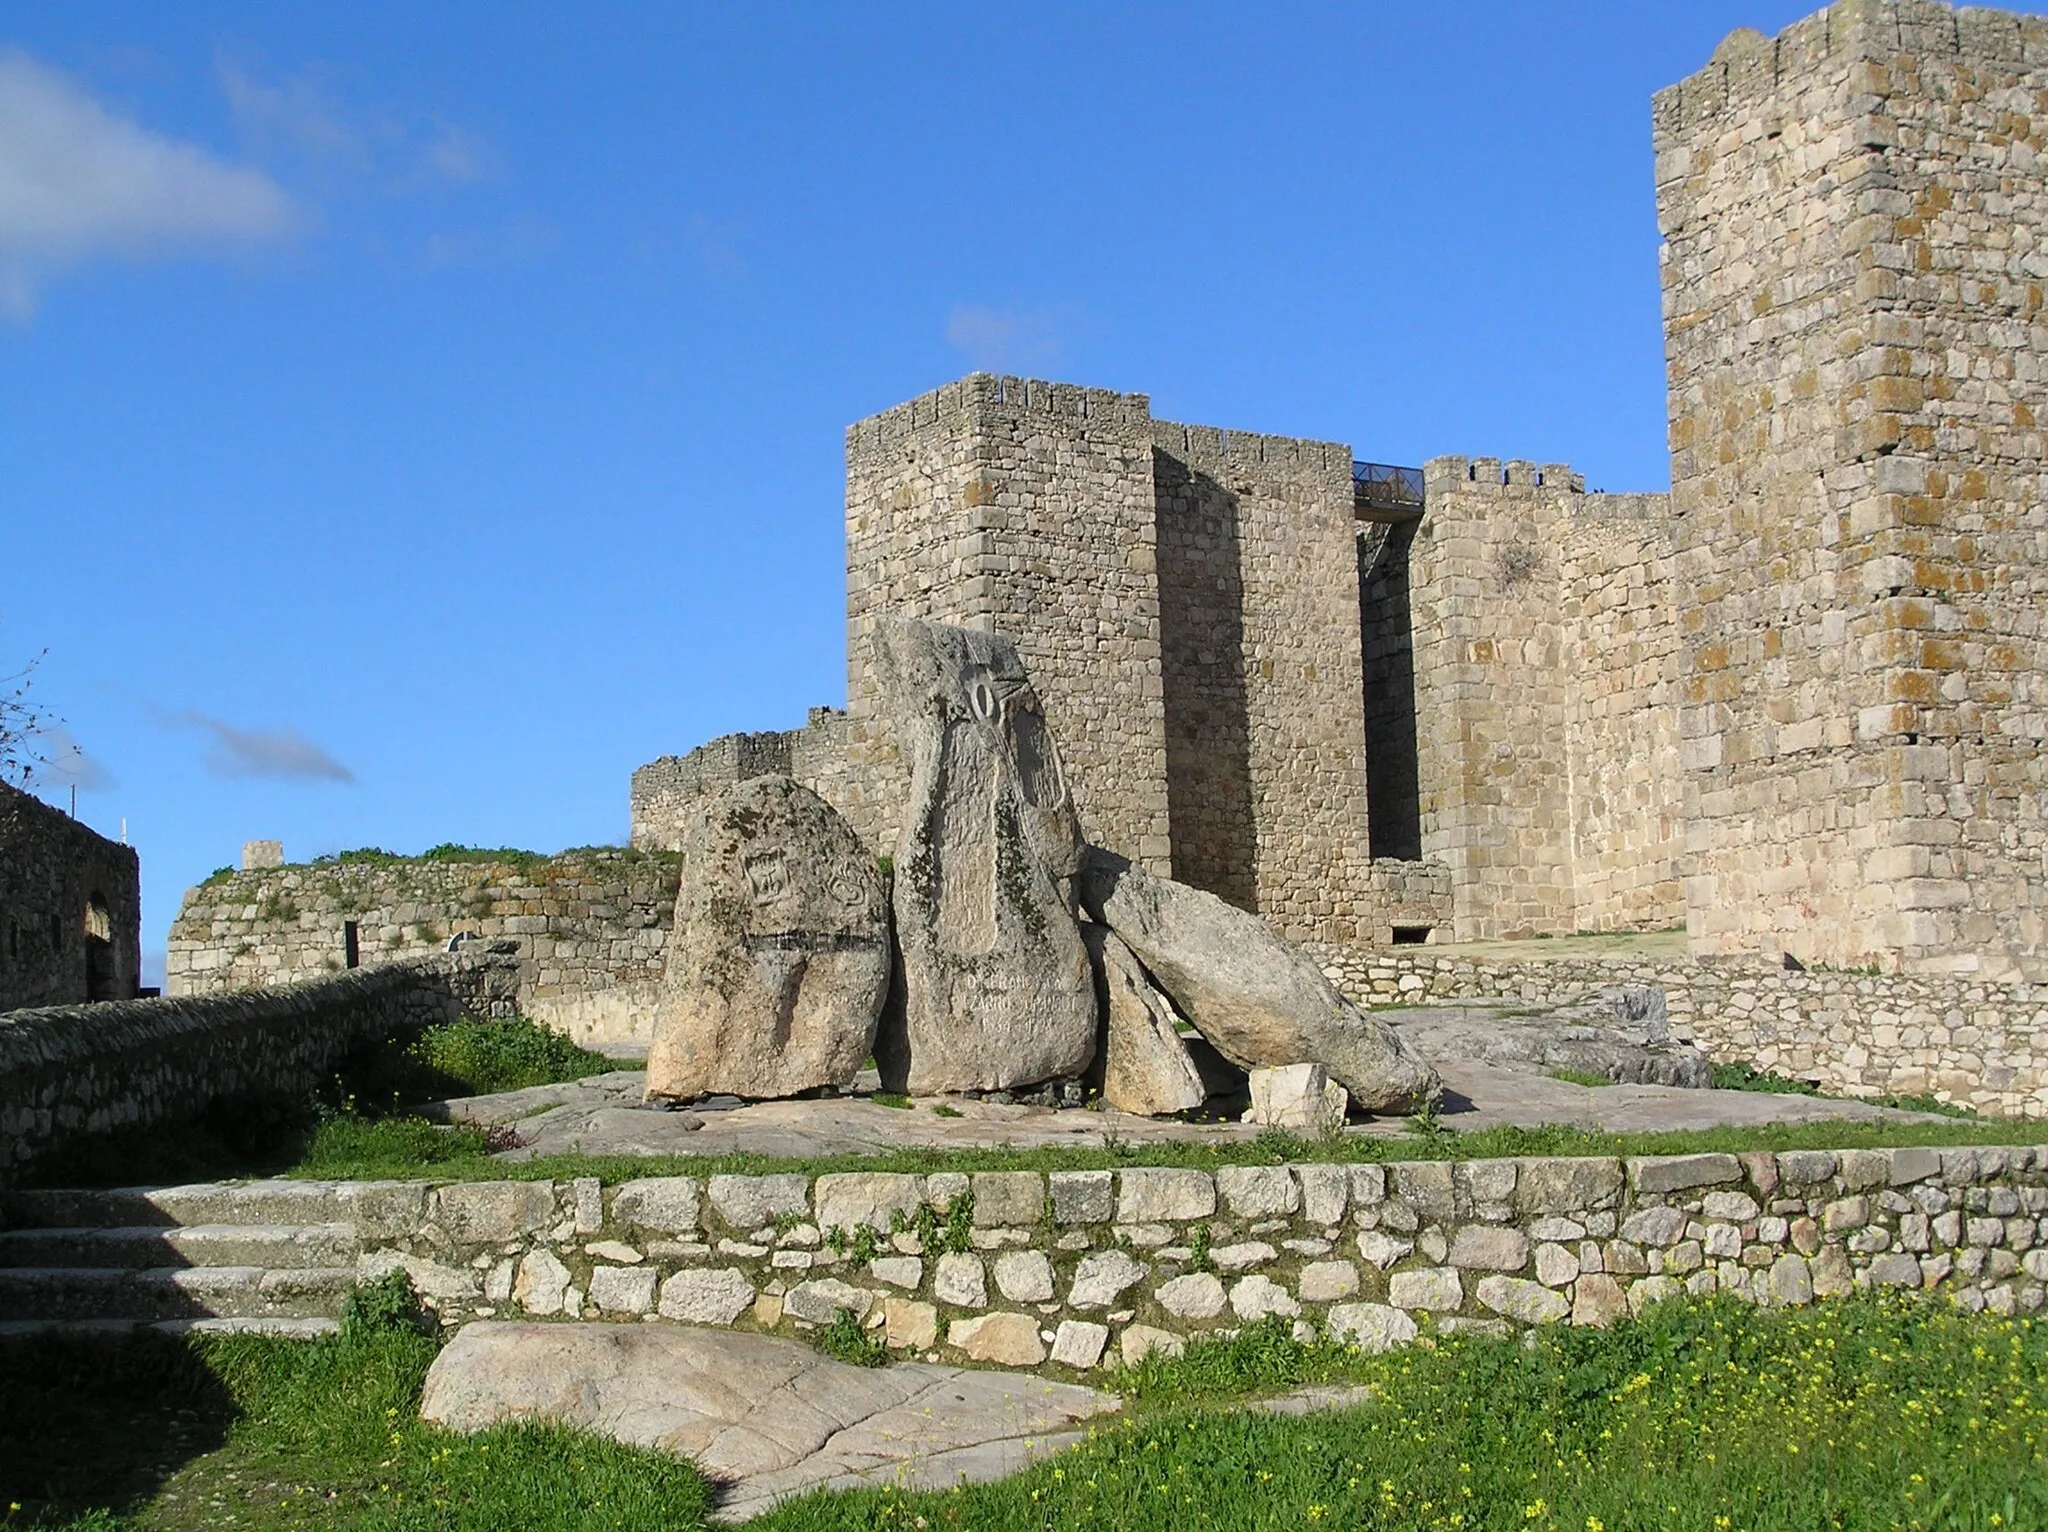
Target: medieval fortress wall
{"points": [[1798, 705]]}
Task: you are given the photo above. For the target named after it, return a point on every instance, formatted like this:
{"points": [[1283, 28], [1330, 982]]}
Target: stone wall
{"points": [[66, 1071], [592, 928], [70, 909], [1264, 685], [1962, 1038], [1545, 665], [1852, 213], [666, 792], [1025, 507], [1078, 1269]]}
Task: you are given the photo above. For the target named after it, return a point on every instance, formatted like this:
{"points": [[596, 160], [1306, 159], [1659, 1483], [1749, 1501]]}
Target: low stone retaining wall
{"points": [[1968, 1041], [72, 1070], [1078, 1268]]}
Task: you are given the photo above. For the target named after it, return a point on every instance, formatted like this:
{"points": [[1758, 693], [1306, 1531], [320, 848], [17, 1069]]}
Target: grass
{"points": [[1742, 1075], [1865, 1413], [249, 1431], [1580, 1077], [845, 1341], [1879, 1411]]}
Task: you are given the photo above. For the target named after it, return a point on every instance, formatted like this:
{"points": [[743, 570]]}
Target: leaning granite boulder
{"points": [[1258, 1000], [1143, 1065], [1621, 1033], [779, 963], [995, 987]]}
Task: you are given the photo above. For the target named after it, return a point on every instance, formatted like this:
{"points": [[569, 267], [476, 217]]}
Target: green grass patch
{"points": [[1879, 1411], [247, 1431], [1580, 1077], [1859, 1414], [1742, 1075], [891, 1099]]}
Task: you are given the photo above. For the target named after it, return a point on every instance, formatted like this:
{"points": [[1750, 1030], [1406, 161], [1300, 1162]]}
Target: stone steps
{"points": [[172, 1292], [291, 1329], [270, 1246], [231, 1202], [266, 1257]]}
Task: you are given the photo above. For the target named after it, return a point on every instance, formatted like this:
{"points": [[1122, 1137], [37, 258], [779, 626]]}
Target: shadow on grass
{"points": [[100, 1423]]}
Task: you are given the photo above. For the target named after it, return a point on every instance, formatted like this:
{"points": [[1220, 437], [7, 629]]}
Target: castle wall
{"points": [[70, 909], [1853, 328], [1025, 507], [592, 929], [1259, 624], [1544, 657]]}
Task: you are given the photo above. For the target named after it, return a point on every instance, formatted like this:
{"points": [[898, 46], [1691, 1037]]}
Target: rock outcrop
{"points": [[995, 985], [780, 961], [1144, 1066], [1621, 1033], [1257, 999]]}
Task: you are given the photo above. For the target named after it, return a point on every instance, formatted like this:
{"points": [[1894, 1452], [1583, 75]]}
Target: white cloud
{"points": [[66, 764], [282, 752], [296, 116], [1003, 340], [77, 181]]}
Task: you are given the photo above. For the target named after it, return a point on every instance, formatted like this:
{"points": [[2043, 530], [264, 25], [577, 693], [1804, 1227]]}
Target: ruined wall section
{"points": [[1259, 624], [1853, 293], [1023, 507], [592, 929], [70, 909], [667, 793], [1621, 646]]}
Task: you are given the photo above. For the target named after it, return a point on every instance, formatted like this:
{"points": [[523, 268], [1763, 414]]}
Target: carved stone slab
{"points": [[995, 987]]}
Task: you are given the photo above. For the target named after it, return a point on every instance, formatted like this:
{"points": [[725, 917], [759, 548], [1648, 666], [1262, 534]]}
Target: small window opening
{"points": [[1410, 936], [351, 945]]}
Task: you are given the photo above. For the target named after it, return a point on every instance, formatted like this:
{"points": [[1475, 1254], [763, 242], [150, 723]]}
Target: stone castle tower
{"points": [[1854, 218], [1799, 704]]}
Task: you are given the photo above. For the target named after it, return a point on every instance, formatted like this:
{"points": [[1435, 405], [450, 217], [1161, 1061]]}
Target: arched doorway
{"points": [[100, 980]]}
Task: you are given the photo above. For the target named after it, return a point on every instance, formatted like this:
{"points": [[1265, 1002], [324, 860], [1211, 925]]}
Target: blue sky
{"points": [[414, 417]]}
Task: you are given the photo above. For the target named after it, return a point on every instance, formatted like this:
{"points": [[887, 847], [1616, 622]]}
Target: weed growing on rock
{"points": [[844, 1340]]}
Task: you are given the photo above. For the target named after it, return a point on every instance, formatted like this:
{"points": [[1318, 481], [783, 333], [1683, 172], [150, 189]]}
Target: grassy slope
{"points": [[1873, 1412]]}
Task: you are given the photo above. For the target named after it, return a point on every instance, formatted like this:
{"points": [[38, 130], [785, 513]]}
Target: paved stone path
{"points": [[765, 1418], [602, 1115]]}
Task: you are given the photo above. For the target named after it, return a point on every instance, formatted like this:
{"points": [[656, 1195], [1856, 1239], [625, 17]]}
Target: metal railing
{"points": [[1383, 488]]}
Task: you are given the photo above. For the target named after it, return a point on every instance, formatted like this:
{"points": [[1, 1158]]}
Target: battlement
{"points": [[1467, 475], [1748, 67], [983, 390], [1212, 446]]}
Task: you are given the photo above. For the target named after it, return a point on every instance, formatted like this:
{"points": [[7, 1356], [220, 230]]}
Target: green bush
{"points": [[844, 1340]]}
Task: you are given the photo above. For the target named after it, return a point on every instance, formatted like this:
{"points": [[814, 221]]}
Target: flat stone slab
{"points": [[602, 1115], [765, 1418]]}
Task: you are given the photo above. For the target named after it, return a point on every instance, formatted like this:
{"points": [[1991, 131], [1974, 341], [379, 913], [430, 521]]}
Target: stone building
{"points": [[1799, 704], [70, 909]]}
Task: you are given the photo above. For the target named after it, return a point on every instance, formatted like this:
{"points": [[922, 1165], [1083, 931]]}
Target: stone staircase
{"points": [[274, 1257]]}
